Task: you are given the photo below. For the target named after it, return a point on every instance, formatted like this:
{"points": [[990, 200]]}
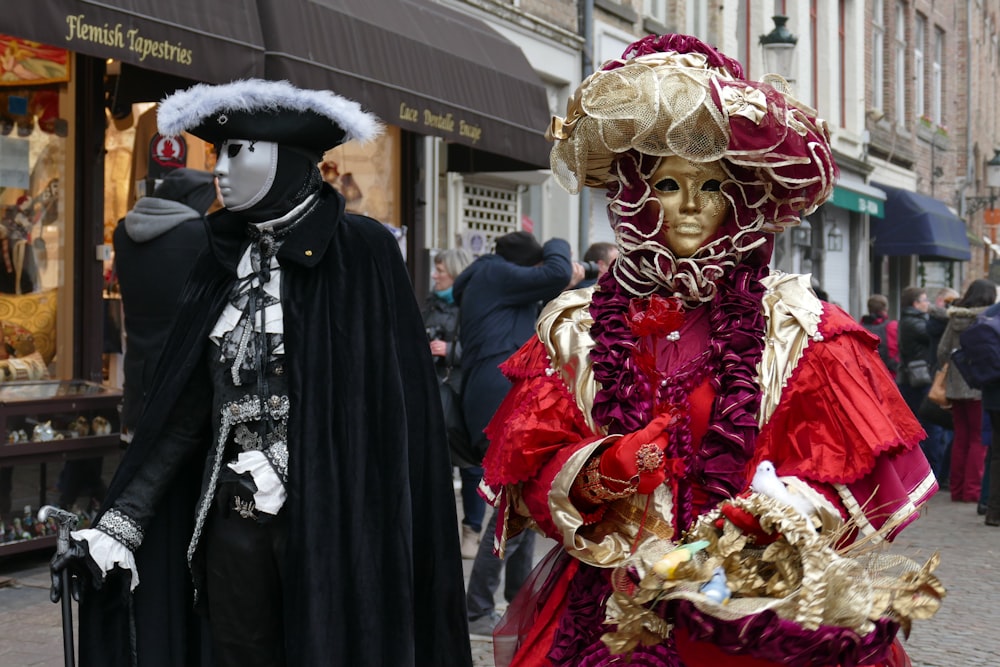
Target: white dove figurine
{"points": [[766, 482]]}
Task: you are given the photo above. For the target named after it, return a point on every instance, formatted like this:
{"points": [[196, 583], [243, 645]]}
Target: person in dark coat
{"points": [[596, 262], [915, 344], [295, 409], [156, 246], [500, 296], [877, 321], [991, 405], [440, 315]]}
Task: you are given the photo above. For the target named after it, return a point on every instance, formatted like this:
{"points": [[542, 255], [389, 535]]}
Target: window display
{"points": [[69, 425]]}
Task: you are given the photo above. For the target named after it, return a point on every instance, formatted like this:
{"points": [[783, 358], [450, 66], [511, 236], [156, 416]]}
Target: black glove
{"points": [[82, 570]]}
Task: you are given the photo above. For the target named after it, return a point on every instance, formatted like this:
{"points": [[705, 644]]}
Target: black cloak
{"points": [[374, 575]]}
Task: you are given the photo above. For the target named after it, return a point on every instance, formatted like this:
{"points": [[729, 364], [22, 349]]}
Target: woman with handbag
{"points": [[968, 451], [441, 322]]}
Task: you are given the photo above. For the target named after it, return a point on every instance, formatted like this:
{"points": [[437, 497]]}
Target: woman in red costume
{"points": [[640, 413]]}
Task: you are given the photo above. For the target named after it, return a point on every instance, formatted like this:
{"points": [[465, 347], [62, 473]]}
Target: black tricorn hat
{"points": [[310, 120]]}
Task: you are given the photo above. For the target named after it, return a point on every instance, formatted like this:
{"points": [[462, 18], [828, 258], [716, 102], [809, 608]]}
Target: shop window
{"points": [[34, 206], [368, 176]]}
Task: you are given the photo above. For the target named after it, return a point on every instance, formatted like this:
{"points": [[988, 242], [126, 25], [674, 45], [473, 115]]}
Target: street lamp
{"points": [[779, 47], [802, 234], [973, 204], [835, 239]]}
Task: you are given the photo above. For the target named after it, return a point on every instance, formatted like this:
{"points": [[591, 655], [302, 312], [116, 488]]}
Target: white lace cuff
{"points": [[270, 495], [107, 552]]}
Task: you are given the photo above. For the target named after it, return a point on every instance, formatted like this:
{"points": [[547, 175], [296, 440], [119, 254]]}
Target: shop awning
{"points": [[416, 64], [859, 197], [193, 39], [916, 224]]}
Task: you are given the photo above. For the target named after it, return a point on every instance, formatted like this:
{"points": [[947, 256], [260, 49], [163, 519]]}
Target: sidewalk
{"points": [[962, 634]]}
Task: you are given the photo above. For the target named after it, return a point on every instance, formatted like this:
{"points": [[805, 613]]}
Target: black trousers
{"points": [[244, 587]]}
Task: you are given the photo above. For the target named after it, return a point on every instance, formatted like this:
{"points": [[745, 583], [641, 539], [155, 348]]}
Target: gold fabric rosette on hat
{"points": [[658, 104]]}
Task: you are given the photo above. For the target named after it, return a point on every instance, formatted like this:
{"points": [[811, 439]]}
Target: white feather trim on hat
{"points": [[186, 109]]}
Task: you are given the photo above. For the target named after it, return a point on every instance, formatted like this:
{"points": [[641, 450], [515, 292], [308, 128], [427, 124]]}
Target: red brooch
{"points": [[656, 315]]}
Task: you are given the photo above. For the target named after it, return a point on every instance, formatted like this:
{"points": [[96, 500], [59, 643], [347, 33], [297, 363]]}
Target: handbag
{"points": [[463, 454], [937, 393], [930, 412], [459, 443], [918, 373]]}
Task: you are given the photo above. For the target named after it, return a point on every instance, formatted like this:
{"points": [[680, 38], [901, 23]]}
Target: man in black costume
{"points": [[293, 433]]}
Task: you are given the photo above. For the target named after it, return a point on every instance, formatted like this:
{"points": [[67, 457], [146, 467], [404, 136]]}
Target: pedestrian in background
{"points": [[156, 245], [940, 432], [598, 257], [915, 345], [877, 322], [968, 452], [441, 320], [937, 314], [500, 296], [991, 404]]}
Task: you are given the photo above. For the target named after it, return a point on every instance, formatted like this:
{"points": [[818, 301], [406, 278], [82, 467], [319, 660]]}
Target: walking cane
{"points": [[67, 522]]}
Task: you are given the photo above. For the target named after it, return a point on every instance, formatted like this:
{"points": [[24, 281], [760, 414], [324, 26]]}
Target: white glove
{"points": [[271, 494], [107, 552]]}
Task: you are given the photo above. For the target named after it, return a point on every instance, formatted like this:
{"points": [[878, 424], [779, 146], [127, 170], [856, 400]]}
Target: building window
{"points": [[657, 9], [937, 83], [878, 55], [488, 211], [919, 44], [697, 18], [900, 62]]}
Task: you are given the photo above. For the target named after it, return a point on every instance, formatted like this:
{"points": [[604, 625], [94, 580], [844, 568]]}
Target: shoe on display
{"points": [[483, 626], [470, 542]]}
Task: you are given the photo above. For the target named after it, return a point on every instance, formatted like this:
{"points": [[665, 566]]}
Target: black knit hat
{"points": [[520, 248], [312, 121], [190, 187]]}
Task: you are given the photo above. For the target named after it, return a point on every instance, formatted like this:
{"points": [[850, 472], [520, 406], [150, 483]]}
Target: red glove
{"points": [[636, 460]]}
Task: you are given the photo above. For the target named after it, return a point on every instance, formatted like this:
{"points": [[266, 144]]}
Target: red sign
{"points": [[166, 154], [991, 216]]}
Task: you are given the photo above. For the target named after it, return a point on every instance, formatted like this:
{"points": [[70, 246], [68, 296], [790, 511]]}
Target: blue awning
{"points": [[915, 224]]}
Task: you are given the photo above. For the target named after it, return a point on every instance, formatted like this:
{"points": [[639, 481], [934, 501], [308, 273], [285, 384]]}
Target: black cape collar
{"points": [[306, 244]]}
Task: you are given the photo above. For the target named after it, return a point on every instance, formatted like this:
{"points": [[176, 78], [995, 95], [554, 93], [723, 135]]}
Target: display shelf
{"points": [[48, 425]]}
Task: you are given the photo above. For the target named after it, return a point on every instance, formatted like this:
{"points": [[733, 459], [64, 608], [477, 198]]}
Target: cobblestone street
{"points": [[962, 634]]}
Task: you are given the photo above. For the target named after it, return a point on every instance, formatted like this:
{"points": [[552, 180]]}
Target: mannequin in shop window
{"points": [[292, 448], [18, 273]]}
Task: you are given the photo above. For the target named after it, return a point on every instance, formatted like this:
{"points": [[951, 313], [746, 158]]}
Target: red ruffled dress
{"points": [[840, 426]]}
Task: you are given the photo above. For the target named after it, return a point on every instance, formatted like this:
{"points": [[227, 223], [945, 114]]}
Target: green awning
{"points": [[859, 198]]}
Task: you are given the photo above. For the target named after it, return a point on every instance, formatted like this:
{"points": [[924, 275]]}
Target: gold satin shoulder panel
{"points": [[564, 329], [793, 313]]}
